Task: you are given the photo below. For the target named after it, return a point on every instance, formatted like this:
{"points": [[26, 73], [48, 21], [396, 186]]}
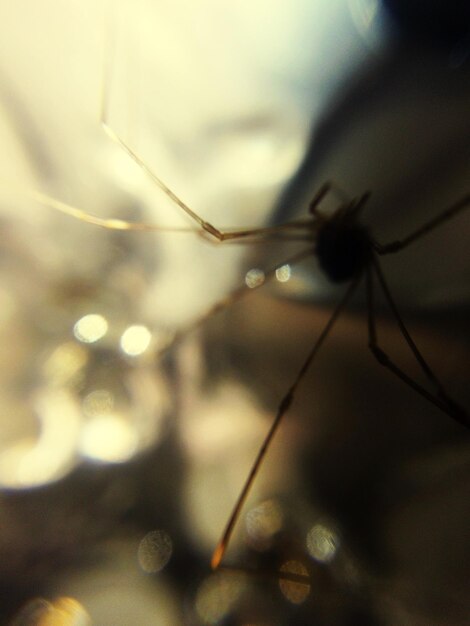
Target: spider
{"points": [[346, 253]]}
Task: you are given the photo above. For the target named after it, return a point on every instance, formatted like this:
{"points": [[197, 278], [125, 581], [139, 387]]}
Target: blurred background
{"points": [[125, 437]]}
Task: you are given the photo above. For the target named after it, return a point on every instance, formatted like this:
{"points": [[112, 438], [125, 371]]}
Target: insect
{"points": [[347, 253], [319, 234]]}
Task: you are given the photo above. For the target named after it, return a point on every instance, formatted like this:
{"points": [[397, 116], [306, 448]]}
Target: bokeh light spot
{"points": [[98, 402], [322, 543], [90, 328], [262, 522], [295, 592], [154, 551], [135, 340], [254, 278], [283, 273]]}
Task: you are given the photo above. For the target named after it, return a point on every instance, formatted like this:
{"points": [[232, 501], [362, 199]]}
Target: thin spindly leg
{"points": [[318, 197], [282, 410], [207, 227], [300, 230], [353, 207], [427, 227], [441, 399], [326, 188]]}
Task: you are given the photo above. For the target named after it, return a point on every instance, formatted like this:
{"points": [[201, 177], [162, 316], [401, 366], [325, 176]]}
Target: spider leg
{"points": [[444, 216], [441, 398], [283, 407], [318, 197], [324, 189], [209, 230]]}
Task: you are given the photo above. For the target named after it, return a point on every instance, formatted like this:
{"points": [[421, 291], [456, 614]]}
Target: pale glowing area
{"points": [[121, 421], [65, 364], [220, 437], [228, 420], [29, 462], [123, 170], [254, 278], [262, 522], [116, 593], [262, 149], [322, 543], [295, 592], [108, 438], [63, 611], [283, 273], [135, 340], [217, 595], [154, 551], [90, 328], [364, 13]]}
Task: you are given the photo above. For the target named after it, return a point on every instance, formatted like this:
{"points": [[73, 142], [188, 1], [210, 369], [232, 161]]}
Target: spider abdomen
{"points": [[343, 249]]}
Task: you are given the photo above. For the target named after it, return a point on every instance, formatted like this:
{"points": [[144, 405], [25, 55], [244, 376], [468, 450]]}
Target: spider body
{"points": [[343, 247]]}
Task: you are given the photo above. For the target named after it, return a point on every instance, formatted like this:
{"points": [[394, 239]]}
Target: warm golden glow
{"points": [[254, 278], [135, 340], [90, 328], [63, 611], [154, 551], [295, 592], [322, 543]]}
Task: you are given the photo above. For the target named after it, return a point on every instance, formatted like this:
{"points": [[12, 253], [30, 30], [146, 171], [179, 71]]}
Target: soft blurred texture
{"points": [[125, 437]]}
